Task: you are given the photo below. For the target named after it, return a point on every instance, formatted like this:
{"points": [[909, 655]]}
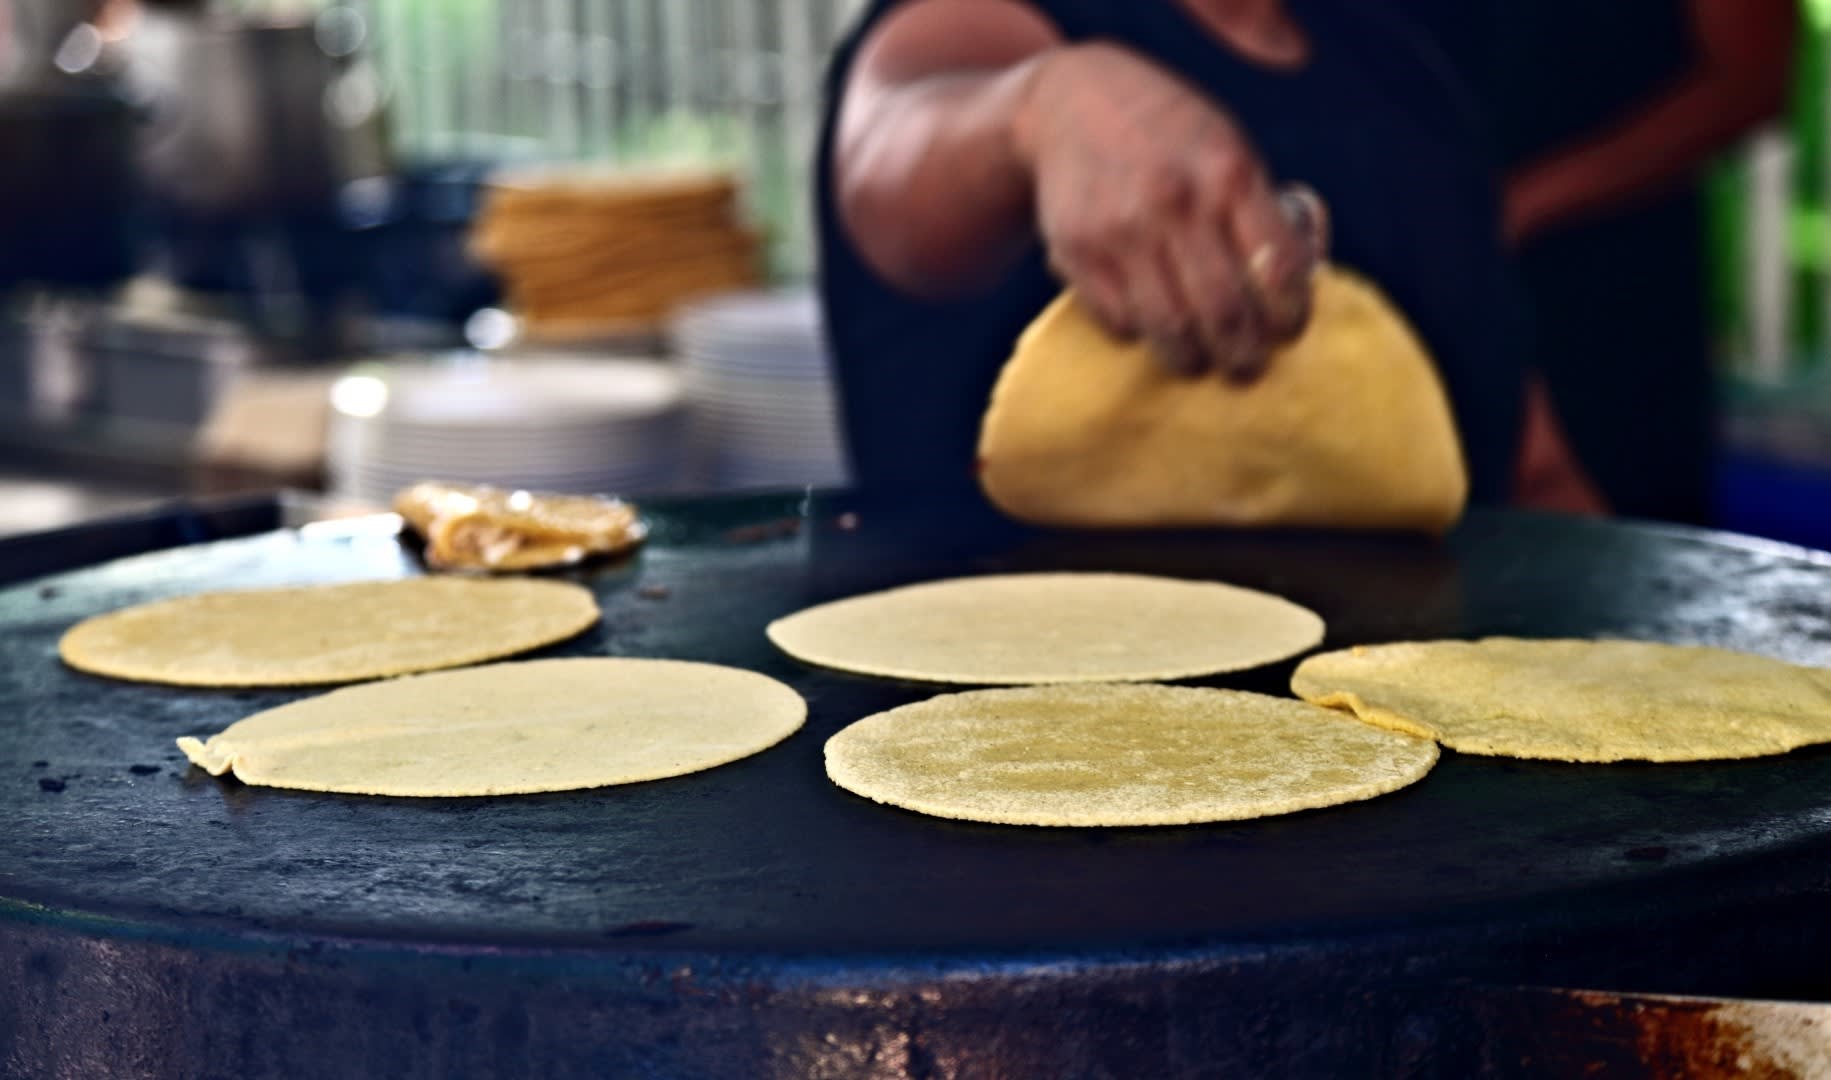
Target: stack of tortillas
{"points": [[585, 253], [1348, 428]]}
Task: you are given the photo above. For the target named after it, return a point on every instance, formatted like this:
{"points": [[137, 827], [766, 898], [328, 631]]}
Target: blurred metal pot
{"points": [[255, 115]]}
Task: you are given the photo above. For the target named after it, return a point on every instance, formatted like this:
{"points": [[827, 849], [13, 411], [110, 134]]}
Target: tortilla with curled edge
{"points": [[1567, 699]]}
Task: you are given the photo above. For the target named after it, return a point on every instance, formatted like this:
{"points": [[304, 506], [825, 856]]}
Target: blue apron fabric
{"points": [[1375, 121]]}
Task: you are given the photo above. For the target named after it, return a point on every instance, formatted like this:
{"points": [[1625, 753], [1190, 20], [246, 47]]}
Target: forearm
{"points": [[1740, 80], [1651, 152], [930, 183]]}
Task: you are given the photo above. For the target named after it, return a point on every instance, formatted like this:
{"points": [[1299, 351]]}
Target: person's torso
{"points": [[1373, 121], [1567, 68], [1618, 298]]}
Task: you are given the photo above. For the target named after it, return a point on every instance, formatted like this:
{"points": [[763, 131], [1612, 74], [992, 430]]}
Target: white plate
{"points": [[745, 457], [774, 380], [698, 385], [583, 453], [493, 395], [530, 442], [810, 478], [742, 359], [740, 446], [392, 483], [526, 442], [783, 427], [500, 476], [798, 412], [454, 470], [371, 437], [773, 314], [748, 350], [743, 451], [453, 467]]}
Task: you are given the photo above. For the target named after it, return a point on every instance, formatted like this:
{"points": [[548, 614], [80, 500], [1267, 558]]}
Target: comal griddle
{"points": [[755, 920]]}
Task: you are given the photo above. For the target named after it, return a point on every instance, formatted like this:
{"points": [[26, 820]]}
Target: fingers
{"points": [[1211, 288], [1164, 313], [1205, 259], [1100, 288], [1185, 293], [1184, 284], [1136, 294], [1114, 257]]}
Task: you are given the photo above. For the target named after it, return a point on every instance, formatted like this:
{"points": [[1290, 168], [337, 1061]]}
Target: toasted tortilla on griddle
{"points": [[1575, 700], [477, 527], [509, 729], [321, 634], [1008, 629], [1118, 755]]}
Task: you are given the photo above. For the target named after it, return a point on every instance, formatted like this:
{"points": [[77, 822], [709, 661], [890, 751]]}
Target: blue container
{"points": [[1767, 496]]}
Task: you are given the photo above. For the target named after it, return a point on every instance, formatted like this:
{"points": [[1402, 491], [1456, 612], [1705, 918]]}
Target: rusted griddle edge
{"points": [[1541, 1031], [77, 1000], [75, 1004]]}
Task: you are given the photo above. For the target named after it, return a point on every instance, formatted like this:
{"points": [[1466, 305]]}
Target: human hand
{"points": [[1156, 209]]}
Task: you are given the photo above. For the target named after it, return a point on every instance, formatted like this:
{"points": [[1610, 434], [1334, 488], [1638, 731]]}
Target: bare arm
{"points": [[1740, 82], [927, 174]]}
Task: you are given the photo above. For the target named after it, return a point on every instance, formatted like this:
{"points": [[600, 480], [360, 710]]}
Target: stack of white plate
{"points": [[589, 427], [760, 391]]}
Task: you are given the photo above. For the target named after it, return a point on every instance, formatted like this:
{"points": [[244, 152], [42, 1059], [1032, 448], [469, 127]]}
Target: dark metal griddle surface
{"points": [[765, 857]]}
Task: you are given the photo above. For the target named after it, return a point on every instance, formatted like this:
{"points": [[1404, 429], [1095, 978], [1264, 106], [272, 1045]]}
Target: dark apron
{"points": [[1619, 303]]}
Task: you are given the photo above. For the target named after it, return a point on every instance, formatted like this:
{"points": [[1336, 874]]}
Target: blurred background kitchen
{"points": [[562, 244]]}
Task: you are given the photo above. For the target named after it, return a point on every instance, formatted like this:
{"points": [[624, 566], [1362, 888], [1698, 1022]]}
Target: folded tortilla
{"points": [[1349, 428]]}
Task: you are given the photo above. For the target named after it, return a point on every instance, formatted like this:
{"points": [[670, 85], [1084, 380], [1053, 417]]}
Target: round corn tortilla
{"points": [[1012, 629], [1571, 700], [509, 729], [1118, 755], [327, 633]]}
